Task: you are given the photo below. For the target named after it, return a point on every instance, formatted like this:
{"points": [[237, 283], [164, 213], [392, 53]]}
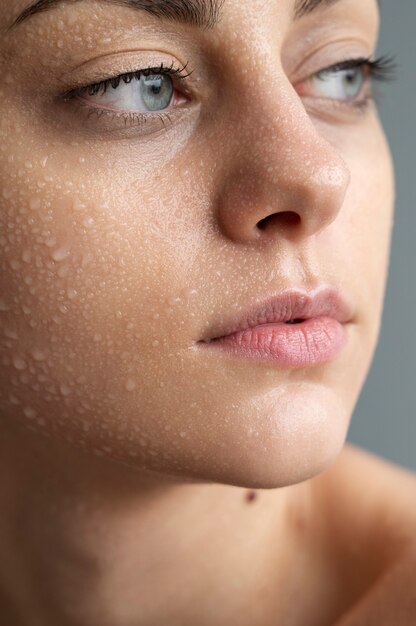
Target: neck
{"points": [[87, 542]]}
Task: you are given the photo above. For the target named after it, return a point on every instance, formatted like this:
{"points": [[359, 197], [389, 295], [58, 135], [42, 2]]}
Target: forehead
{"points": [[203, 13]]}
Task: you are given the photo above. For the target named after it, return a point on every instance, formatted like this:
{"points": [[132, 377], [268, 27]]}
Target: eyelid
{"points": [[120, 63]]}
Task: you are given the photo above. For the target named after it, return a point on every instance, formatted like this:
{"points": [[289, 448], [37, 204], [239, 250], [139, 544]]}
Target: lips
{"points": [[291, 307], [294, 329]]}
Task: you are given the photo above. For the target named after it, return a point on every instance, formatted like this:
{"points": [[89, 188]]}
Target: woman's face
{"points": [[130, 228]]}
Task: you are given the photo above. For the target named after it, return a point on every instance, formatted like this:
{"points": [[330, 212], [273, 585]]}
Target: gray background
{"points": [[384, 420]]}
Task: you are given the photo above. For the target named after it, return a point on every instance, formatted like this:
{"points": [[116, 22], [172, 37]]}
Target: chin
{"points": [[279, 439]]}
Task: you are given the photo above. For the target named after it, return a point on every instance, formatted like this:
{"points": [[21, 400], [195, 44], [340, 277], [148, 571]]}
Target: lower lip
{"points": [[311, 342]]}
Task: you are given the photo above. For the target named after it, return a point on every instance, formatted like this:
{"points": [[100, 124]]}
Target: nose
{"points": [[283, 178]]}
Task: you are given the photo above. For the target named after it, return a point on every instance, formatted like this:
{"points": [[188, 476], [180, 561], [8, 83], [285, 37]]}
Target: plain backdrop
{"points": [[384, 420]]}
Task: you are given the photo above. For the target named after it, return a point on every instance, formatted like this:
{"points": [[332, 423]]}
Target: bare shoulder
{"points": [[371, 508], [370, 499], [368, 509]]}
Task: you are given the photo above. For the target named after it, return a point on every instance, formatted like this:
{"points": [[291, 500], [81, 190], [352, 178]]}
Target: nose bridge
{"points": [[283, 165]]}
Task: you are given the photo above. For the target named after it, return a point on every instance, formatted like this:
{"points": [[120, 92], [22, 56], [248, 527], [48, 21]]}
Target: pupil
{"points": [[353, 81]]}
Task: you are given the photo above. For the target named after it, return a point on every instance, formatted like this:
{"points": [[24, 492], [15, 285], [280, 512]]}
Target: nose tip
{"points": [[322, 195], [294, 203]]}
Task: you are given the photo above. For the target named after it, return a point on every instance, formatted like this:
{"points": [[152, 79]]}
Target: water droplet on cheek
{"points": [[64, 389], [12, 334], [38, 355], [29, 412], [34, 203], [60, 254], [19, 363], [13, 399], [130, 385]]}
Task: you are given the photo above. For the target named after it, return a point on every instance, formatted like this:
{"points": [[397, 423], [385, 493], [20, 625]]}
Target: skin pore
{"points": [[126, 449]]}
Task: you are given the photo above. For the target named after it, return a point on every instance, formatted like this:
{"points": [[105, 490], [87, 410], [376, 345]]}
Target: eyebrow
{"points": [[304, 7], [201, 13]]}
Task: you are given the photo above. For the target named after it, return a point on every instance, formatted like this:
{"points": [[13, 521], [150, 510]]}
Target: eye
{"points": [[138, 94], [146, 97], [346, 84], [349, 81]]}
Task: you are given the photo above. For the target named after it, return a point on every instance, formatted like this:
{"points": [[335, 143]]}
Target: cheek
{"points": [[371, 215], [96, 306]]}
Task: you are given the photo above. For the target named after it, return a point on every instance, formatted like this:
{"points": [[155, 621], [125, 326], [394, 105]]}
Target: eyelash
{"points": [[129, 117], [381, 69], [95, 88]]}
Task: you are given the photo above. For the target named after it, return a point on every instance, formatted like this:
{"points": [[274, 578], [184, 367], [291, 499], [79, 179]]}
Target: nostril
{"points": [[288, 218]]}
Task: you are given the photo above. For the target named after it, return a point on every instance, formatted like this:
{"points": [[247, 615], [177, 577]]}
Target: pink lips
{"points": [[295, 329]]}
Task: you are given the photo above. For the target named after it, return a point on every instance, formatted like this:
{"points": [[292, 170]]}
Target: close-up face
{"points": [[164, 176]]}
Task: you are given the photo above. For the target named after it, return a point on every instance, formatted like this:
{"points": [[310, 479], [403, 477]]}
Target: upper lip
{"points": [[288, 305]]}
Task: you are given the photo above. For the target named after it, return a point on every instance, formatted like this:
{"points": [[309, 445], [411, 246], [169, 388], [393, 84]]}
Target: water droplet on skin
{"points": [[60, 254], [26, 256], [64, 389], [63, 271], [38, 355], [12, 334], [44, 161], [97, 337], [86, 259], [130, 385], [72, 293], [29, 412], [13, 399], [88, 222], [34, 204], [50, 242], [174, 301], [155, 343], [77, 205], [15, 265], [19, 363]]}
